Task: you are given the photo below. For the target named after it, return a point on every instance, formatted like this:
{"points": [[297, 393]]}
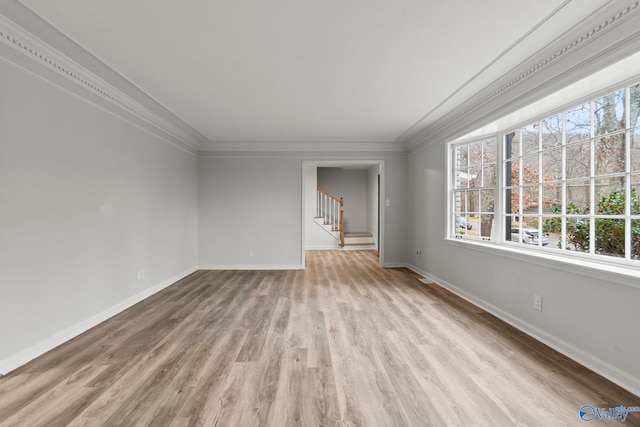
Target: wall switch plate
{"points": [[250, 252], [537, 302]]}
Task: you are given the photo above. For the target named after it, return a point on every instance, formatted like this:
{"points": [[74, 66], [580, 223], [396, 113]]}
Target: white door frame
{"points": [[343, 163]]}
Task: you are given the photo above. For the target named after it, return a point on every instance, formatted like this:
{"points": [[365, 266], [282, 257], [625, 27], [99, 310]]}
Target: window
{"points": [[571, 180], [568, 183], [475, 179]]}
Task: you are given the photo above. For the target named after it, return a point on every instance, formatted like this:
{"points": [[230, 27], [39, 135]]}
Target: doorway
{"points": [[374, 172]]}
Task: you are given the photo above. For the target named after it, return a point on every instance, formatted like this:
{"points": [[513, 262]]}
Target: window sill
{"points": [[618, 274]]}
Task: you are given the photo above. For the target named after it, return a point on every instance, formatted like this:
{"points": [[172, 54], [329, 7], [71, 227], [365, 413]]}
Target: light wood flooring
{"points": [[343, 342]]}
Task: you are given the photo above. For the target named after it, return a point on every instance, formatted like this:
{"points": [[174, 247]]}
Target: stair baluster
{"points": [[331, 209]]}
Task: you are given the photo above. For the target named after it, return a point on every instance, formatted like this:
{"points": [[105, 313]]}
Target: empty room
{"points": [[387, 213]]}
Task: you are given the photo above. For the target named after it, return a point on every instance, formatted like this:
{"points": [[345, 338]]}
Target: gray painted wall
{"points": [[88, 202], [250, 204]]}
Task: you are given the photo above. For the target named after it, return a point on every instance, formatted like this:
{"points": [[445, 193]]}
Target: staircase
{"points": [[359, 241], [330, 217]]}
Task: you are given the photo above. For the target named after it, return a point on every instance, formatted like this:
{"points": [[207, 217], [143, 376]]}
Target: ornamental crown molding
{"points": [[609, 36], [300, 146], [86, 84]]}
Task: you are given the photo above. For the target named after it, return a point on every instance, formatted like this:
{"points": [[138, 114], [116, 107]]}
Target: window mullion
{"points": [[592, 180], [627, 168]]}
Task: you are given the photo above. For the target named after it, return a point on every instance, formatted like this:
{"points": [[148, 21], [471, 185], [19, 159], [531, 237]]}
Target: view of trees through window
{"points": [[570, 182]]}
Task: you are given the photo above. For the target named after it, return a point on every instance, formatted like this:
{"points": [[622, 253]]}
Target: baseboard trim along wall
{"points": [[21, 358], [613, 374]]}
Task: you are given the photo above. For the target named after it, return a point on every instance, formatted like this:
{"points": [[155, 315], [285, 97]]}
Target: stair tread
{"points": [[358, 235], [359, 243]]}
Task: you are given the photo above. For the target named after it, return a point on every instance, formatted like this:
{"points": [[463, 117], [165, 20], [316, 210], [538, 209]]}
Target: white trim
{"points": [[213, 147], [251, 267], [613, 374], [570, 263], [394, 265], [26, 355]]}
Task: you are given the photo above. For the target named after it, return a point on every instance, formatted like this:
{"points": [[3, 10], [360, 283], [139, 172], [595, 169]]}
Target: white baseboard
{"points": [[613, 374], [24, 356], [394, 265], [322, 248], [252, 267]]}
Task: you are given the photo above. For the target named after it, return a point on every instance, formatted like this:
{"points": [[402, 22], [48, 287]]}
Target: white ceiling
{"points": [[292, 70]]}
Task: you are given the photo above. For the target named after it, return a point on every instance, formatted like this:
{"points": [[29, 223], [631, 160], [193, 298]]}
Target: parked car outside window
{"points": [[463, 223], [529, 236]]}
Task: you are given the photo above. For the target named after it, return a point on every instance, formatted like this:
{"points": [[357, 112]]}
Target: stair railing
{"points": [[331, 209]]}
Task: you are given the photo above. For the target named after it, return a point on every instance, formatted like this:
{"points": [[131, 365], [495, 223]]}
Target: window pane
{"points": [[512, 173], [475, 153], [487, 200], [635, 149], [578, 161], [578, 234], [512, 150], [486, 226], [578, 196], [635, 239], [530, 202], [530, 139], [490, 151], [514, 195], [509, 223], [578, 123], [489, 175], [462, 178], [473, 201], [552, 227], [460, 201], [609, 113], [462, 156], [461, 224], [530, 173], [610, 235], [634, 100], [552, 132], [552, 165], [474, 176], [610, 154], [635, 194], [551, 198], [610, 196]]}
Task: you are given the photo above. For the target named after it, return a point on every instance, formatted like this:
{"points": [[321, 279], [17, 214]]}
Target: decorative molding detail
{"points": [[589, 35], [527, 72], [301, 146], [45, 55]]}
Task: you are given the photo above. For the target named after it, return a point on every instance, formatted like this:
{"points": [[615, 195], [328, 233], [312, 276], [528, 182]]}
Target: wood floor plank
{"points": [[341, 343]]}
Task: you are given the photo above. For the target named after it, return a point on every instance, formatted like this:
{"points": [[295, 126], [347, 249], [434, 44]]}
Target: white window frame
{"points": [[499, 239]]}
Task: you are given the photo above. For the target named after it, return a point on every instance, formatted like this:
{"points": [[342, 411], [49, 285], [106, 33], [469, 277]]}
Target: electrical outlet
{"points": [[250, 252], [537, 302], [141, 274]]}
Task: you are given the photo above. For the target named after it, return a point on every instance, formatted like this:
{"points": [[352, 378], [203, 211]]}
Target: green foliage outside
{"points": [[610, 232]]}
